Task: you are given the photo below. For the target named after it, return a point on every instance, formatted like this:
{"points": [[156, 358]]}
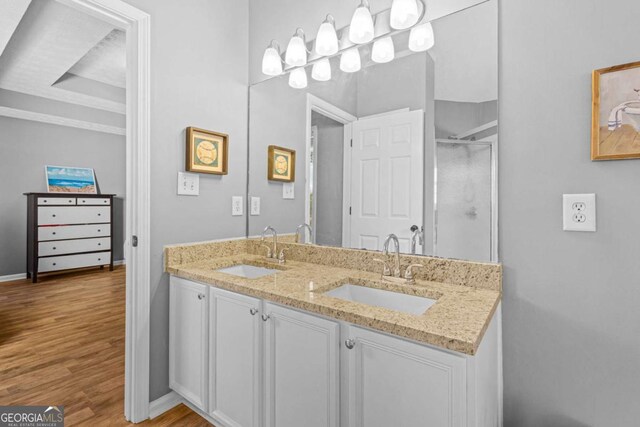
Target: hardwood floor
{"points": [[62, 343]]}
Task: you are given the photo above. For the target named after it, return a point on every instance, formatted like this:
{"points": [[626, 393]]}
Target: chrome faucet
{"points": [[416, 237], [273, 252], [302, 227], [385, 251]]}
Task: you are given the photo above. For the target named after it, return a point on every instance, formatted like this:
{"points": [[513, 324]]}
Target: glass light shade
{"points": [[383, 50], [321, 70], [296, 55], [298, 78], [271, 62], [361, 29], [421, 38], [404, 14], [327, 39], [350, 60]]}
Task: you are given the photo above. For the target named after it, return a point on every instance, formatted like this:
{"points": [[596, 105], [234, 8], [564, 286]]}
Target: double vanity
{"points": [[318, 337]]}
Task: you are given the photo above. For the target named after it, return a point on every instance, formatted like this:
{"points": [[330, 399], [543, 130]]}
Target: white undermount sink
{"points": [[378, 297], [248, 271]]}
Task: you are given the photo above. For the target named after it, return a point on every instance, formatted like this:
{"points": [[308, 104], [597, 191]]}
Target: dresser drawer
{"points": [[73, 261], [56, 201], [86, 201], [49, 215], [62, 247], [62, 232]]}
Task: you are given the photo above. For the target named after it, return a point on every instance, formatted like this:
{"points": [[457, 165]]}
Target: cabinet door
{"points": [[188, 332], [234, 358], [302, 368], [393, 382]]}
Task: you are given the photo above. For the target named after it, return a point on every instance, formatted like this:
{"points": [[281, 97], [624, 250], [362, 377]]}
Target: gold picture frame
{"points": [[281, 164], [207, 151], [615, 116]]}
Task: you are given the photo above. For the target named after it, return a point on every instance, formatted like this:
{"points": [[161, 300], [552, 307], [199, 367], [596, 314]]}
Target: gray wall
{"points": [[25, 148], [199, 63], [571, 316]]}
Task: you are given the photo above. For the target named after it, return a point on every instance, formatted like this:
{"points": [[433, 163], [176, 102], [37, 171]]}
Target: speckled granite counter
{"points": [[457, 321]]}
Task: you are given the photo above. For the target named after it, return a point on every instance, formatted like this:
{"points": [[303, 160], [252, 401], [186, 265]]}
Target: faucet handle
{"points": [[269, 255], [386, 271], [281, 255], [408, 273]]}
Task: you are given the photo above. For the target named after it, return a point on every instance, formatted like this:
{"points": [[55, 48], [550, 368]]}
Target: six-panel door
{"points": [[234, 358], [301, 369]]}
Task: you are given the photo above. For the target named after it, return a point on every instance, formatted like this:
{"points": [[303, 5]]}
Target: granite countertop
{"points": [[457, 321]]}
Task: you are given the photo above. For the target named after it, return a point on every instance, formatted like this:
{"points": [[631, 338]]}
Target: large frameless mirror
{"points": [[404, 146]]}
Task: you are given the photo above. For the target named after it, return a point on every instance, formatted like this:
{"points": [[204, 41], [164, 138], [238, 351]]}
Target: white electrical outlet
{"points": [[188, 184], [255, 206], [288, 190], [236, 205], [579, 212]]}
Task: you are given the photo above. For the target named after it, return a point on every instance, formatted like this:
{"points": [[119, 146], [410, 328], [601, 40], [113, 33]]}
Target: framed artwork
{"points": [[615, 127], [207, 151], [282, 164], [63, 179]]}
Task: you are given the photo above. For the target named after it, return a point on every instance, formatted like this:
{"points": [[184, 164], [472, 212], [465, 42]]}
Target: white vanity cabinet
{"points": [[302, 365]]}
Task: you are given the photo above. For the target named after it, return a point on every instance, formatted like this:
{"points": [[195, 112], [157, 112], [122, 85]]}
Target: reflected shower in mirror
{"points": [[405, 147]]}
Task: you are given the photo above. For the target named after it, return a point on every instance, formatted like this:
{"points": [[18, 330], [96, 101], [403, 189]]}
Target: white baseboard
{"points": [[12, 277], [120, 262], [164, 404], [204, 415]]}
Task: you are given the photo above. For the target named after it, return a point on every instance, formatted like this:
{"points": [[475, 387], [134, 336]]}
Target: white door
{"points": [[301, 369], [387, 179], [393, 382], [234, 358], [188, 329]]}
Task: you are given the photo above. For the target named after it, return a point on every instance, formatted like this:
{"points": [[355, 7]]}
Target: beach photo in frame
{"points": [[615, 128], [64, 179], [207, 151], [281, 164]]}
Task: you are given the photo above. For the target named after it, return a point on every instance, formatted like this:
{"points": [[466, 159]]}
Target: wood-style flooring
{"points": [[62, 343]]}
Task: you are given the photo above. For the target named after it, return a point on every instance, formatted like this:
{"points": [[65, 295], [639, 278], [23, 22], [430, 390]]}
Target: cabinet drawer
{"points": [[63, 232], [56, 201], [49, 215], [73, 261], [74, 246], [93, 201]]}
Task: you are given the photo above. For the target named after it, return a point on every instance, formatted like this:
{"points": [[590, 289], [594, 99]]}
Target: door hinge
{"points": [[134, 241], [349, 210], [351, 143]]}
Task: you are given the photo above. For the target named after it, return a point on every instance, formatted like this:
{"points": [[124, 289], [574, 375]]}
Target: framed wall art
{"points": [[615, 128], [281, 164], [63, 179], [207, 151]]}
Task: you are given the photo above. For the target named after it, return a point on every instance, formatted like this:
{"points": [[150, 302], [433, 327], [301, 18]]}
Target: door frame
{"points": [[329, 110], [136, 24]]}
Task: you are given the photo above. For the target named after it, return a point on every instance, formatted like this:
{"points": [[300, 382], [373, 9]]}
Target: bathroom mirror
{"points": [[407, 147]]}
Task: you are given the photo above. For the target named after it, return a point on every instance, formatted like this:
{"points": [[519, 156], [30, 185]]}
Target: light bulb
{"points": [[271, 60], [350, 60], [296, 55], [383, 50], [361, 29], [421, 38], [327, 39], [321, 70], [404, 14], [298, 78]]}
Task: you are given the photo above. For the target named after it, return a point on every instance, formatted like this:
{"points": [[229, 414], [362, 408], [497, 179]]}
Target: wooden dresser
{"points": [[66, 231]]}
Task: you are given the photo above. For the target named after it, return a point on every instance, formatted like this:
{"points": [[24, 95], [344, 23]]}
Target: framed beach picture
{"points": [[63, 179], [207, 151], [615, 128], [281, 164]]}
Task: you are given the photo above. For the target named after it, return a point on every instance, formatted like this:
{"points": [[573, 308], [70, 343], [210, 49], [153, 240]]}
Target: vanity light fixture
{"points": [[321, 70], [296, 55], [383, 50], [298, 78], [271, 60], [422, 38], [404, 14], [327, 38], [350, 60], [361, 29]]}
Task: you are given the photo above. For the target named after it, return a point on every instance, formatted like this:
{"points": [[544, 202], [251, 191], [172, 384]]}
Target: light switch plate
{"points": [[255, 206], [288, 190], [579, 212], [188, 184], [236, 206]]}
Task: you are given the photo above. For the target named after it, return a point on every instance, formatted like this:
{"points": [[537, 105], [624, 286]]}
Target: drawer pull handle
{"points": [[200, 296], [54, 215], [54, 233], [253, 311], [84, 201], [45, 201], [54, 263], [54, 248], [265, 317], [99, 230], [350, 343], [99, 214], [99, 244]]}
